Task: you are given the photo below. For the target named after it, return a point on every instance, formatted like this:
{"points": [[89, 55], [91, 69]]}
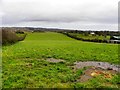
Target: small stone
{"points": [[109, 68], [45, 64], [93, 74], [99, 63]]}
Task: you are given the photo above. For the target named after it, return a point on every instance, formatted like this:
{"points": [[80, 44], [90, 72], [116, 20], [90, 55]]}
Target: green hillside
{"points": [[25, 65]]}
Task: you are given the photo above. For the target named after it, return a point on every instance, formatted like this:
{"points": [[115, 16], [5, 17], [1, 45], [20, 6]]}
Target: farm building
{"points": [[115, 38], [92, 33]]}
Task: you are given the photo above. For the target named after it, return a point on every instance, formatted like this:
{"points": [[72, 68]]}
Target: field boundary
{"points": [[93, 40]]}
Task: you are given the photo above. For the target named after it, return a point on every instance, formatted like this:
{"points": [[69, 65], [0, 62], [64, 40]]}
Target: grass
{"points": [[25, 65]]}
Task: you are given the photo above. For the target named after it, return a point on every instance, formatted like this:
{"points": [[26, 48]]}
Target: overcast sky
{"points": [[69, 14]]}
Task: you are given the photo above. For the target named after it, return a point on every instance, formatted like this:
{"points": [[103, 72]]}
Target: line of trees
{"points": [[89, 40], [100, 33]]}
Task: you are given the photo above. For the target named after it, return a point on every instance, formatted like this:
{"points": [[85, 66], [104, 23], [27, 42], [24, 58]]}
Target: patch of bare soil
{"points": [[95, 69], [94, 72], [52, 60]]}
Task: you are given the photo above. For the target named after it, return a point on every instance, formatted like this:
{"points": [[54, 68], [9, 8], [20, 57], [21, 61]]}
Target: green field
{"points": [[25, 65]]}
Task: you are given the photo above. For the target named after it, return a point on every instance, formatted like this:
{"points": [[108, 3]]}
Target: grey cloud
{"points": [[60, 11]]}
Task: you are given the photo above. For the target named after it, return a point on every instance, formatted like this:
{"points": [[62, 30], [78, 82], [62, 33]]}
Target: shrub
{"points": [[19, 32], [22, 37], [0, 36], [9, 37]]}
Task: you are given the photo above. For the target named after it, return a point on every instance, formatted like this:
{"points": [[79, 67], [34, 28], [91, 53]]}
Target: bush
{"points": [[22, 37], [9, 37], [19, 32], [0, 36]]}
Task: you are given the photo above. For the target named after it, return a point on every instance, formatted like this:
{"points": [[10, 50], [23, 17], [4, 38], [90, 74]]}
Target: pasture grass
{"points": [[25, 65]]}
